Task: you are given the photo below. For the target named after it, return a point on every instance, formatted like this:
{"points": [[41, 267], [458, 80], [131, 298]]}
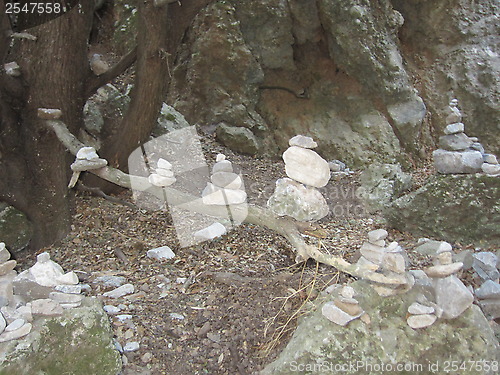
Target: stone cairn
{"points": [[86, 160], [441, 294], [298, 196], [459, 153], [42, 290], [226, 187], [163, 175]]}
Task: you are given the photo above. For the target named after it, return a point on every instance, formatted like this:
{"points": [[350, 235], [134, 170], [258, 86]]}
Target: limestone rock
{"points": [[485, 264], [418, 309], [306, 166], [159, 253], [452, 296], [455, 142], [164, 164], [226, 180], [377, 234], [443, 270], [209, 233], [120, 291], [302, 141], [491, 169], [454, 128], [214, 195], [421, 321], [373, 253], [489, 290], [447, 162], [238, 138], [160, 181], [46, 307], [298, 201], [336, 315]]}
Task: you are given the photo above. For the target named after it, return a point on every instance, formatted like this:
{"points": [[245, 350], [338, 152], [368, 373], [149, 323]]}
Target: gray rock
{"points": [[491, 308], [209, 233], [168, 120], [336, 315], [448, 162], [452, 296], [214, 195], [6, 291], [306, 166], [298, 201], [120, 291], [421, 321], [418, 309], [372, 252], [222, 166], [65, 298], [6, 267], [454, 128], [485, 264], [443, 270], [478, 147], [46, 307], [394, 262], [15, 334], [238, 139], [226, 180], [15, 325], [455, 142], [4, 253], [69, 289], [29, 289], [111, 281], [302, 141], [465, 257], [489, 290], [490, 159], [491, 169], [377, 234], [131, 346], [159, 253]]}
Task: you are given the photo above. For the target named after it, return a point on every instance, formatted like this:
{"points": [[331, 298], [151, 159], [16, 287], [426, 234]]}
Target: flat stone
{"points": [[71, 289], [87, 153], [120, 291], [23, 285], [377, 235], [228, 180], [432, 247], [454, 128], [46, 307], [71, 305], [111, 281], [421, 321], [65, 297], [385, 291], [367, 264], [3, 323], [350, 307], [478, 147], [6, 267], [452, 296], [455, 142], [209, 233], [17, 334], [214, 195], [159, 253], [380, 243], [490, 159], [88, 165], [491, 308], [302, 141], [306, 166], [163, 164], [485, 264], [4, 253], [15, 325], [303, 203], [164, 172], [69, 278], [394, 262], [22, 312], [393, 247], [489, 290], [111, 310], [421, 279], [373, 253], [131, 346], [450, 162], [160, 181], [444, 270], [418, 309], [336, 314], [444, 258], [49, 113], [222, 166], [491, 169]]}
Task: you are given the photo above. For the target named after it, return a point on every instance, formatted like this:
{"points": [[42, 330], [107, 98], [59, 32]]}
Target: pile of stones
{"points": [[226, 187], [344, 308], [163, 175], [86, 160], [42, 290], [298, 196], [486, 265], [459, 153]]}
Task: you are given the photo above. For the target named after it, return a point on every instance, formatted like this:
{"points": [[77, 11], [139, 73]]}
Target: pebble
{"points": [[209, 233], [421, 321], [87, 153], [70, 289], [491, 169], [176, 316], [220, 157], [377, 235], [302, 141], [348, 292], [111, 281], [120, 291], [336, 315], [222, 166], [164, 164], [418, 309], [159, 253], [393, 247], [123, 317], [485, 264], [160, 181], [131, 346], [443, 270], [112, 310], [490, 159], [489, 290], [69, 278], [348, 305], [432, 247], [457, 127]]}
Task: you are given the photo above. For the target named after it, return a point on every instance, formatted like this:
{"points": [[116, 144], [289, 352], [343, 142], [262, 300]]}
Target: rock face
{"points": [[78, 342], [452, 207], [324, 344]]}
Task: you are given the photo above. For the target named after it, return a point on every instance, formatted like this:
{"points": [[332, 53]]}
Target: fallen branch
{"points": [[290, 229]]}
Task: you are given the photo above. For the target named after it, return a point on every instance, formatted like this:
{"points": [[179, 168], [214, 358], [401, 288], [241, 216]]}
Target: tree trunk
{"points": [[34, 167]]}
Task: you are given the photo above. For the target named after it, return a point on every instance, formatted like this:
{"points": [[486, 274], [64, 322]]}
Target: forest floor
{"points": [[227, 306]]}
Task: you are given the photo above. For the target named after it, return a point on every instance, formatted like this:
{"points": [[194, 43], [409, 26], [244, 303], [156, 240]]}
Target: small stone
{"points": [[454, 128], [418, 309], [385, 291], [348, 305], [421, 279], [205, 328], [490, 159], [478, 147], [421, 321], [160, 181], [131, 346], [348, 292], [65, 298], [209, 233], [432, 248], [97, 65], [46, 307], [4, 253], [377, 235], [336, 315], [87, 153], [146, 357], [3, 323], [394, 262], [159, 253], [49, 113], [124, 317], [373, 253], [70, 289], [465, 257], [17, 334], [222, 166], [88, 165], [485, 264], [69, 278], [444, 258], [491, 169], [306, 166], [455, 142], [6, 267], [220, 157], [15, 325], [176, 316], [393, 247], [228, 180], [337, 166], [380, 243], [444, 270], [163, 164], [302, 141], [367, 264], [12, 69], [489, 290], [46, 272], [214, 195], [111, 281], [452, 296], [120, 291], [165, 173], [111, 310], [491, 308]]}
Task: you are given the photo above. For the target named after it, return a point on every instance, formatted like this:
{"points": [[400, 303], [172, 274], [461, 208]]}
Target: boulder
{"points": [[455, 208], [238, 139], [306, 166], [79, 342], [448, 162], [298, 201], [320, 346]]}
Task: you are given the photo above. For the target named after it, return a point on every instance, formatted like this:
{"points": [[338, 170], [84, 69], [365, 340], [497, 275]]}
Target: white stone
{"points": [[111, 281], [3, 323], [418, 309], [15, 325], [120, 291], [393, 247], [70, 289], [46, 307], [220, 157], [163, 164], [444, 258], [490, 159], [449, 162], [348, 292], [111, 310], [455, 142], [209, 233], [4, 253], [452, 296], [421, 321], [98, 65], [489, 290], [380, 243], [373, 253], [454, 128], [443, 247], [214, 195], [17, 334], [160, 181], [491, 169], [443, 270], [65, 297], [228, 180], [70, 305], [164, 172], [163, 252], [302, 141], [348, 305], [69, 278], [49, 113], [222, 166], [6, 267], [45, 271], [87, 153], [377, 235], [131, 346], [394, 262], [124, 317], [306, 166], [12, 69], [367, 264], [301, 202], [336, 314]]}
